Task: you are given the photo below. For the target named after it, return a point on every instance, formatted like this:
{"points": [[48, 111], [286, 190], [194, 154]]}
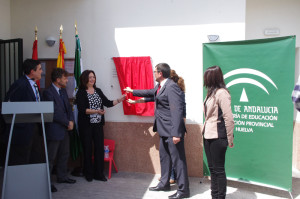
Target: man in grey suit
{"points": [[169, 123], [57, 132]]}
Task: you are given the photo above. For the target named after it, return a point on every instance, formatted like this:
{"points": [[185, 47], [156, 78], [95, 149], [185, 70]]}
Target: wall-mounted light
{"points": [[213, 37], [50, 41]]}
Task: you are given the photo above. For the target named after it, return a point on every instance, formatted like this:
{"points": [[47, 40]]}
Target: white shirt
{"points": [[32, 83], [56, 88]]}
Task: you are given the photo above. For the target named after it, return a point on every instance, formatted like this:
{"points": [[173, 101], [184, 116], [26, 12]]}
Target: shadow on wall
{"points": [[137, 147]]}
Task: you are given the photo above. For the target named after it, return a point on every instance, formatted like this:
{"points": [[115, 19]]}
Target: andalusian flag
{"points": [[61, 54], [78, 62], [76, 148]]}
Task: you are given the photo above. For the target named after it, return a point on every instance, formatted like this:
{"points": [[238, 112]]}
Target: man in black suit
{"points": [[63, 121], [169, 123], [26, 144]]}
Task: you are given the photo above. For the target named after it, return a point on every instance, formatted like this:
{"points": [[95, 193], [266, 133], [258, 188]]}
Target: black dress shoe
{"points": [[67, 180], [179, 195], [102, 178], [158, 188], [89, 179], [53, 188]]}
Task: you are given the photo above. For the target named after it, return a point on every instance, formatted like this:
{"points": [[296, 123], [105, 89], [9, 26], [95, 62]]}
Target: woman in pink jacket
{"points": [[218, 128]]}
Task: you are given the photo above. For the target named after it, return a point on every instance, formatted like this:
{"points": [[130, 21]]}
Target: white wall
{"points": [[281, 14], [5, 19], [170, 31]]}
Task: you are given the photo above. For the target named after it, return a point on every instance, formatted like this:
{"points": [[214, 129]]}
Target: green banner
{"points": [[260, 77]]}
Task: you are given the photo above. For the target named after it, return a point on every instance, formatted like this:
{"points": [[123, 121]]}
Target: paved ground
{"points": [[135, 186]]}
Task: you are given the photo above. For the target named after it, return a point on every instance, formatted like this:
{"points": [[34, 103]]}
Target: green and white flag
{"points": [[76, 148], [78, 62], [260, 77]]}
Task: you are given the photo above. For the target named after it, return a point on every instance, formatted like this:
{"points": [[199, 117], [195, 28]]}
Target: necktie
{"points": [[60, 94], [158, 89], [37, 94]]}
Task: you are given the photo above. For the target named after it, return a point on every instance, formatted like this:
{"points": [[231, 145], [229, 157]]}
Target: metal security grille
{"points": [[11, 58]]}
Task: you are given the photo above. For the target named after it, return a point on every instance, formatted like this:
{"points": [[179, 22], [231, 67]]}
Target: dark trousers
{"points": [[215, 150], [171, 154], [93, 134], [59, 150], [30, 153], [173, 175]]}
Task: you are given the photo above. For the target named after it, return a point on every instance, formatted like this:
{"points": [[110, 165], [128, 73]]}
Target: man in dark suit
{"points": [[169, 123], [63, 121], [26, 144]]}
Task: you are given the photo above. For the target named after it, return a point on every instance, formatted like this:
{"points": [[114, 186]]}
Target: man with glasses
{"points": [[169, 124]]}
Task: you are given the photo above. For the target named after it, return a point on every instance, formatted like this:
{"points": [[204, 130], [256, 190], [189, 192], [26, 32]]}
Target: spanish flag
{"points": [[35, 55], [35, 50], [61, 54]]}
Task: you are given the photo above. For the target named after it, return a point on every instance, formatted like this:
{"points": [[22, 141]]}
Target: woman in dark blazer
{"points": [[90, 101]]}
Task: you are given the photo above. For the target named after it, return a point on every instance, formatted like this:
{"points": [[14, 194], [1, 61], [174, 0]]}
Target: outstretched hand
{"points": [[128, 90], [130, 101], [122, 98]]}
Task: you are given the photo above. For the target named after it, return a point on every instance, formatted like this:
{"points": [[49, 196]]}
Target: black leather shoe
{"points": [[179, 195], [53, 188], [103, 178], [89, 179], [67, 180], [158, 188]]}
